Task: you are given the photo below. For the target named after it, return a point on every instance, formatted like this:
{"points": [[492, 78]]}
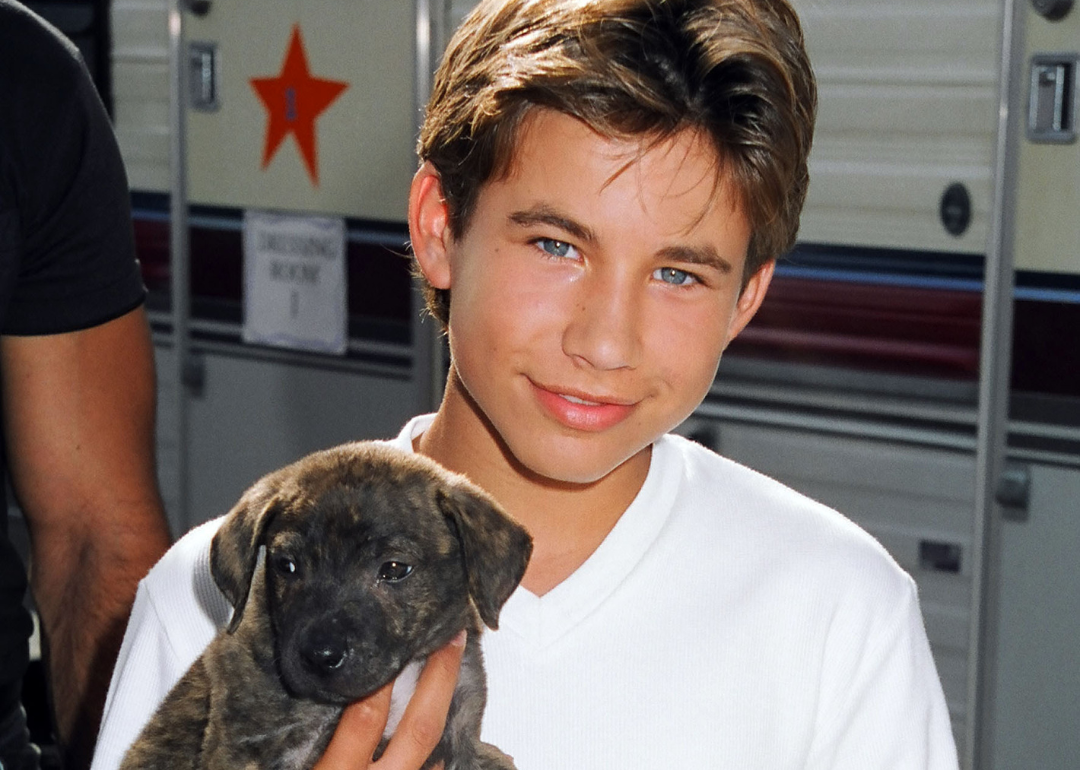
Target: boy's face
{"points": [[591, 295]]}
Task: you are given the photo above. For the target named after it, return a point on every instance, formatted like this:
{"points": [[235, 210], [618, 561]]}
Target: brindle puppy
{"points": [[374, 558]]}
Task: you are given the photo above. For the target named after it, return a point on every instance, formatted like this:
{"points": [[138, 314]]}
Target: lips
{"points": [[581, 411]]}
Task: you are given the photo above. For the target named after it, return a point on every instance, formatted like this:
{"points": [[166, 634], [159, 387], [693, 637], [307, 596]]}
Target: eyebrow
{"points": [[707, 256], [545, 215]]}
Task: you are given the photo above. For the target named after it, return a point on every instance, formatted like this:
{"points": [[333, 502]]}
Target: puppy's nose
{"points": [[324, 652]]}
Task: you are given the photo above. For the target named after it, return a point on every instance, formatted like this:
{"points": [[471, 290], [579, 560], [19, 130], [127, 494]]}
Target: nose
{"points": [[324, 650], [604, 329]]}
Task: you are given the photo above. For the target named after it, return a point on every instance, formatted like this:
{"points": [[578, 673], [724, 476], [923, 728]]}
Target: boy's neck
{"points": [[567, 521]]}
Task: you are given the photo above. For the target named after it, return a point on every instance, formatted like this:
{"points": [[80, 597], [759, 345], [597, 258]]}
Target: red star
{"points": [[293, 100]]}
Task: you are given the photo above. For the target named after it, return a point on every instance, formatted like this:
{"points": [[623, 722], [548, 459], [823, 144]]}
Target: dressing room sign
{"points": [[295, 292]]}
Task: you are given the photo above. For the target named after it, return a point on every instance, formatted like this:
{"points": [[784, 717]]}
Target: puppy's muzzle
{"points": [[324, 650], [332, 659]]}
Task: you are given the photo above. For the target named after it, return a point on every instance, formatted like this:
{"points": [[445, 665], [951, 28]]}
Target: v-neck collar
{"points": [[542, 620]]}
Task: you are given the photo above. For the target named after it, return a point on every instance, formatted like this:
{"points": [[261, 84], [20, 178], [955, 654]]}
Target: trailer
{"points": [[915, 365]]}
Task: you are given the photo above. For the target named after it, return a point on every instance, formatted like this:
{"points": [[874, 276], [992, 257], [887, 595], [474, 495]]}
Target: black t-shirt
{"points": [[67, 257]]}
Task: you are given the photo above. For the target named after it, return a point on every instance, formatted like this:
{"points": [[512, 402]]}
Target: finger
{"points": [[358, 733], [422, 723]]}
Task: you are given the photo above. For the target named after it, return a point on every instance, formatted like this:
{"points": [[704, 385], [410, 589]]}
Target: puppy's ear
{"points": [[234, 550], [496, 548]]}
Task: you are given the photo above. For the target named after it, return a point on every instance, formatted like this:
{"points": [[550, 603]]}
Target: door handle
{"points": [[1014, 491]]}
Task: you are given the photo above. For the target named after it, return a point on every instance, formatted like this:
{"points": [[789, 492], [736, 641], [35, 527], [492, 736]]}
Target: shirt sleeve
{"points": [[883, 705], [76, 266], [145, 670], [177, 612]]}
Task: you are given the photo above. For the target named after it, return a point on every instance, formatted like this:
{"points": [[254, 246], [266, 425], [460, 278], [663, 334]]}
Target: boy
{"points": [[604, 187]]}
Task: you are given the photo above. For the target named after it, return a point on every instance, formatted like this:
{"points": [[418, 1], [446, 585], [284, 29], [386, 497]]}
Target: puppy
{"points": [[345, 570]]}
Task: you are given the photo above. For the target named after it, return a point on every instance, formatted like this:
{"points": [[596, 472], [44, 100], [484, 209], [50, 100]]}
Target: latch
{"points": [[1013, 492], [203, 76], [1052, 98]]}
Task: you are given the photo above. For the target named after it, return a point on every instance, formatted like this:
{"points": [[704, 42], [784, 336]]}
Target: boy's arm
{"points": [[78, 411], [883, 705]]}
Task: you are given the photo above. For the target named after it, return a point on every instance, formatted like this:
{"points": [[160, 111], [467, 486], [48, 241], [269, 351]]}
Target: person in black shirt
{"points": [[77, 385]]}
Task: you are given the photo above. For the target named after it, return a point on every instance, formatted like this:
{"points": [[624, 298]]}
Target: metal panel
{"points": [[365, 144], [908, 100], [140, 61], [456, 11], [1031, 714], [1048, 201], [258, 410], [363, 141], [1036, 712], [908, 103]]}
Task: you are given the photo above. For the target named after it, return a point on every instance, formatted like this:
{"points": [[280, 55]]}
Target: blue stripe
{"points": [[1030, 293]]}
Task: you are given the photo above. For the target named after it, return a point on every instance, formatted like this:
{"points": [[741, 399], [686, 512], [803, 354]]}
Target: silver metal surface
{"points": [[855, 426], [179, 258], [994, 371]]}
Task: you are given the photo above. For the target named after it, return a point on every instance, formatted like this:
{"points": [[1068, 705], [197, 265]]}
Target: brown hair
{"points": [[734, 70]]}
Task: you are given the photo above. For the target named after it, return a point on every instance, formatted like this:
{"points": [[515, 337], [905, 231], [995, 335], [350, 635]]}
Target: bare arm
{"points": [[78, 414]]}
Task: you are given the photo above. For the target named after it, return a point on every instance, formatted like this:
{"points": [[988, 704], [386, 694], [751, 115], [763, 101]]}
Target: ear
{"points": [[234, 551], [753, 294], [496, 548], [429, 230]]}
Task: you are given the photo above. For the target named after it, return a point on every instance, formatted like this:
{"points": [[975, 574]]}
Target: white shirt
{"points": [[725, 622]]}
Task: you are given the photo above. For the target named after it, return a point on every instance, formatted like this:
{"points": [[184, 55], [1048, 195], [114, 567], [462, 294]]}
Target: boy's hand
{"points": [[362, 724]]}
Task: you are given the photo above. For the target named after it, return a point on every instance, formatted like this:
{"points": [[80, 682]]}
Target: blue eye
{"points": [[554, 248], [674, 276]]}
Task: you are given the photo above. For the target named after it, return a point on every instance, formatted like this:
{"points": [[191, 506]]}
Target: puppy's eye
{"points": [[284, 564], [393, 571]]}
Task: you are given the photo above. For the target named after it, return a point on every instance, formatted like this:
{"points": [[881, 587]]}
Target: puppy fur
{"points": [[343, 569]]}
